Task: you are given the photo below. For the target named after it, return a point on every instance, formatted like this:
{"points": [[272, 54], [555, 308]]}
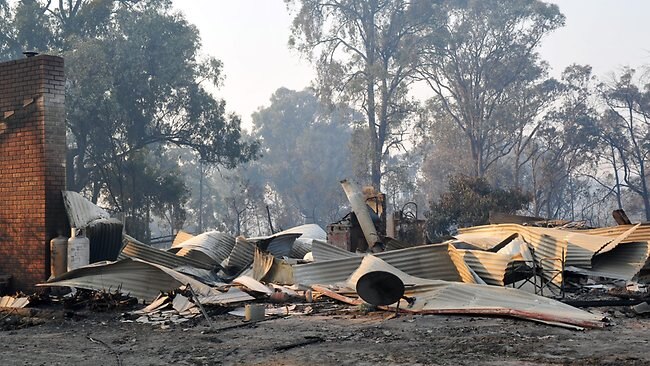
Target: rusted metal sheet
{"points": [[180, 237]]}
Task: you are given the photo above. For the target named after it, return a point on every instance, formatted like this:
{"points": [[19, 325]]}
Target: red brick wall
{"points": [[32, 165]]}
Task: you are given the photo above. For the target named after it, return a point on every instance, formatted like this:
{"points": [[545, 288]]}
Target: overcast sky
{"points": [[250, 37]]}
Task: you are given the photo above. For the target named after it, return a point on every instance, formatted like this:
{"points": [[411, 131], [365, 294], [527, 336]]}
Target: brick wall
{"points": [[32, 165]]}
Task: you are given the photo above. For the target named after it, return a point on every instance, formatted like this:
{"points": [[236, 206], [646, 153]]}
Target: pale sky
{"points": [[250, 38]]}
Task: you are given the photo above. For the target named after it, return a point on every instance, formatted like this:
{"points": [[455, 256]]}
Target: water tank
{"points": [[78, 249], [58, 255]]}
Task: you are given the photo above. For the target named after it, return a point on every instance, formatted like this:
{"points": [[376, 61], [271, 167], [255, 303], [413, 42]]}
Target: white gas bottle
{"points": [[78, 249], [58, 255]]}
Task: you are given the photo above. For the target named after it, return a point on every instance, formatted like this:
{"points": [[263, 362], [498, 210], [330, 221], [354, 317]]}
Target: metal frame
{"points": [[538, 270]]}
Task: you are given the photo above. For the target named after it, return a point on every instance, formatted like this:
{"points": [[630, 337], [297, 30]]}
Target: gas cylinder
{"points": [[58, 255], [78, 249]]}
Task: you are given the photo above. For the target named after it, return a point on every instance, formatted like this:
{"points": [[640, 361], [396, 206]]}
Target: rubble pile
{"points": [[516, 268]]}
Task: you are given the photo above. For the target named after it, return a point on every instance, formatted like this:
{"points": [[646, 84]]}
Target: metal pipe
{"points": [[359, 207]]}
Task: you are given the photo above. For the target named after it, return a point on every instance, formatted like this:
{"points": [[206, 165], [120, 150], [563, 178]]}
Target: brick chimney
{"points": [[32, 166]]}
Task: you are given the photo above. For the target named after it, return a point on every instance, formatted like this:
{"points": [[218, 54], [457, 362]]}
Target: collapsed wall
{"points": [[32, 165]]}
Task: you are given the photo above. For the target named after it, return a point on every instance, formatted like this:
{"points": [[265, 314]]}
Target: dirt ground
{"points": [[340, 337]]}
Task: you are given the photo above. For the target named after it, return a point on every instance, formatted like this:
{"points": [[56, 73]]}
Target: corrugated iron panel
{"points": [[642, 233], [428, 261], [300, 248], [211, 247], [311, 231], [491, 267], [241, 255], [623, 262], [550, 245], [325, 273], [181, 237], [326, 252], [135, 249], [483, 239], [137, 278], [281, 244], [435, 296], [81, 211], [104, 232], [105, 238]]}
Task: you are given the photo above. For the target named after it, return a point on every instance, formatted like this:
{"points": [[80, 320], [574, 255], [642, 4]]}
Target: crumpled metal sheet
{"points": [[135, 249], [138, 278], [310, 231], [482, 239], [104, 232], [282, 244], [301, 247], [491, 267], [623, 262], [641, 233], [443, 297], [181, 237], [233, 295], [211, 247], [105, 236], [550, 245], [240, 257], [269, 269], [322, 251], [81, 211], [434, 261]]}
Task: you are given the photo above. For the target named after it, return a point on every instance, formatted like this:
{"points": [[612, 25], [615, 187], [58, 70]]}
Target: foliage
{"points": [[625, 135], [365, 53], [468, 203], [135, 86], [475, 58], [305, 155]]}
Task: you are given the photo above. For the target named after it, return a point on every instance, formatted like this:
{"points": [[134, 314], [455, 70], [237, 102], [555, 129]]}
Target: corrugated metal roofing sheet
{"points": [[138, 278], [311, 231], [327, 252], [623, 262], [642, 233], [435, 261], [105, 238], [135, 249], [436, 297], [181, 236], [241, 255], [301, 247], [211, 247], [491, 267], [550, 245], [81, 211], [104, 232]]}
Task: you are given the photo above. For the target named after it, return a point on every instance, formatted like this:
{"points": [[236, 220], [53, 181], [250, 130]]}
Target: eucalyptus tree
{"points": [[365, 52], [475, 60]]}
